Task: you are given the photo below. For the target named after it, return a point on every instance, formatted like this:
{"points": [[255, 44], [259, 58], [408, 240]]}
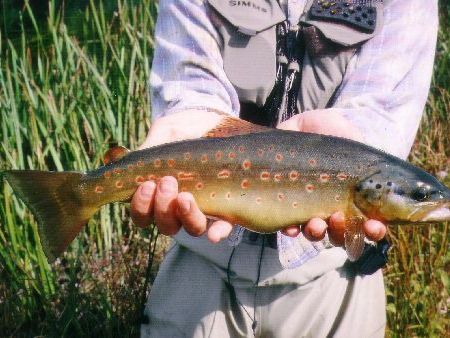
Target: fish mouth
{"points": [[432, 213]]}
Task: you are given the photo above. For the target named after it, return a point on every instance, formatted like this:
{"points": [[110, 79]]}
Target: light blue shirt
{"points": [[383, 92]]}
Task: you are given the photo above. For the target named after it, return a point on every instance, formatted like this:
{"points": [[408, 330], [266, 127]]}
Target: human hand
{"points": [[160, 202], [330, 122]]}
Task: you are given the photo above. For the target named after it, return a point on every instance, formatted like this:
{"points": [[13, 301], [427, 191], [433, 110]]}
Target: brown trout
{"points": [[264, 181]]}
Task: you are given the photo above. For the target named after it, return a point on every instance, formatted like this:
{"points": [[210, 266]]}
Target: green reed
{"points": [[75, 83], [66, 95]]}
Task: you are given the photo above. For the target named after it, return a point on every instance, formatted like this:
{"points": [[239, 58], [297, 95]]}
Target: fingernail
{"points": [[184, 205], [148, 189], [167, 186], [379, 231]]}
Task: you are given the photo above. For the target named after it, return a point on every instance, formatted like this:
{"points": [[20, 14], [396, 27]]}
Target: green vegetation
{"points": [[70, 86]]}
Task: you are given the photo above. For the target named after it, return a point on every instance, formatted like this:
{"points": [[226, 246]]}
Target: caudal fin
{"points": [[56, 201]]}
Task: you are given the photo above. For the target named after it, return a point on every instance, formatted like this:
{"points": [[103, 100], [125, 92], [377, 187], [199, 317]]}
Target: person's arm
{"points": [[385, 88], [188, 84], [187, 76], [384, 91], [385, 94]]}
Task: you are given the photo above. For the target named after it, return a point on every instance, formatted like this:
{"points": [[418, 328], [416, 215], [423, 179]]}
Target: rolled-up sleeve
{"points": [[187, 71], [386, 86]]}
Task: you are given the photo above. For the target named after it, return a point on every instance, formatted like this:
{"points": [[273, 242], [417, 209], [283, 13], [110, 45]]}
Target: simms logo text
{"points": [[249, 4]]}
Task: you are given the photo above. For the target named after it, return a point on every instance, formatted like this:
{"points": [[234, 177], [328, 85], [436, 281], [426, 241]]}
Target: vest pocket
{"points": [[248, 29], [344, 23], [332, 33]]}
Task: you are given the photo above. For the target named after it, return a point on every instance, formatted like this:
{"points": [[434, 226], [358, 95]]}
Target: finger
{"points": [[193, 220], [375, 230], [336, 228], [166, 205], [315, 229], [142, 204], [291, 231], [219, 230]]}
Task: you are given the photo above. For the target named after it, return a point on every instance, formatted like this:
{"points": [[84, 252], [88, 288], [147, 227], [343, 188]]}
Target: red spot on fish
{"points": [[260, 152], [119, 184], [107, 174], [232, 155], [271, 147], [342, 176], [245, 184], [183, 176], [295, 204], [277, 177], [139, 179], [247, 164], [212, 195], [187, 156], [292, 152], [157, 163], [140, 163], [204, 158], [258, 200], [324, 178], [219, 155], [199, 186], [294, 175], [279, 157], [265, 176], [152, 177], [118, 171], [241, 149], [130, 167], [225, 173], [310, 188], [312, 162], [281, 196], [99, 189], [171, 162]]}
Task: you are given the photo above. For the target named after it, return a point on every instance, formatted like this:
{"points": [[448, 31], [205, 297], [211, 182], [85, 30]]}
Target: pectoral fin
{"points": [[354, 237]]}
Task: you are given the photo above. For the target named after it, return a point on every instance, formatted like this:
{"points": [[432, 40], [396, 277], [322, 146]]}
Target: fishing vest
{"points": [[279, 71]]}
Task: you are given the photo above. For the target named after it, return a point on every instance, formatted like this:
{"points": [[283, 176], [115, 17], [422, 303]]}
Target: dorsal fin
{"points": [[114, 154], [232, 126]]}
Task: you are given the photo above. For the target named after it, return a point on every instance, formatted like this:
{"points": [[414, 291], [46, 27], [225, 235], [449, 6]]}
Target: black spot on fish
{"points": [[378, 186], [370, 181], [399, 191], [389, 184]]}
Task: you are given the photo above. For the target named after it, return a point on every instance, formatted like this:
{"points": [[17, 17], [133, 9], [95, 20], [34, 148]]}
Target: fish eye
{"points": [[421, 193]]}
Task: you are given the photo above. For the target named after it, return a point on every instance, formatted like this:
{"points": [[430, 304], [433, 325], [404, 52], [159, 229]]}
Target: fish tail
{"points": [[57, 201]]}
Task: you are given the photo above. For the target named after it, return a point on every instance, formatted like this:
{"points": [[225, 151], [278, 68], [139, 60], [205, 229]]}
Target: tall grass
{"points": [[66, 95], [418, 278], [70, 86]]}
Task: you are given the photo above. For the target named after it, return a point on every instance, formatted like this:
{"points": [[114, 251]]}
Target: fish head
{"points": [[400, 192]]}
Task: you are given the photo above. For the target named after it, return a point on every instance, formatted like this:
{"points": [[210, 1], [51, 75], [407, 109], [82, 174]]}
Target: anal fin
{"points": [[354, 237]]}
